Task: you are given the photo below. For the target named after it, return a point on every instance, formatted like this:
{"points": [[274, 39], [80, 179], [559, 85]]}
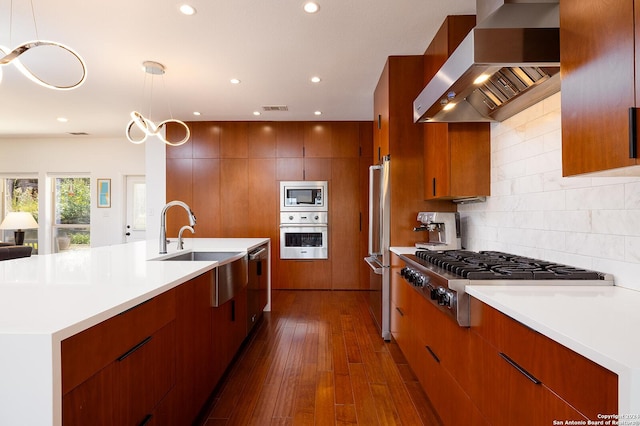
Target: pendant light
{"points": [[11, 56], [148, 127]]}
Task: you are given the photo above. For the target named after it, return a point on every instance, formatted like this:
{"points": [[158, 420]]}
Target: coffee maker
{"points": [[442, 230]]}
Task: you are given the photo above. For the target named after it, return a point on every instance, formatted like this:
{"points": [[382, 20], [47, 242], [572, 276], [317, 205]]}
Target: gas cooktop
{"points": [[496, 265], [442, 276]]}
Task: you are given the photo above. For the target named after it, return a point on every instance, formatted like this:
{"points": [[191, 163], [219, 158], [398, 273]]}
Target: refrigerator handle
{"points": [[372, 170], [375, 264]]}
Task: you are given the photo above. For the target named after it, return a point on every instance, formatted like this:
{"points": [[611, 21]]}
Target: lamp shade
{"points": [[19, 220]]}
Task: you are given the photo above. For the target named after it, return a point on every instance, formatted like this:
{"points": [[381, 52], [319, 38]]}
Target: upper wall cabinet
{"points": [[457, 156], [598, 57]]}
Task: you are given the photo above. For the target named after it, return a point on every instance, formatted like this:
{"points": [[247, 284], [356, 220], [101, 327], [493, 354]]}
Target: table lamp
{"points": [[19, 221]]}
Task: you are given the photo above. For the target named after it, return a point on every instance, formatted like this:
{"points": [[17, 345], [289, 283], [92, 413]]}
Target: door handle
{"points": [[256, 254], [633, 130]]}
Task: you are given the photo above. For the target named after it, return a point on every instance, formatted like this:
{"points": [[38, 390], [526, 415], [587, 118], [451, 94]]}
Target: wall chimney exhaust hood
{"points": [[508, 62]]}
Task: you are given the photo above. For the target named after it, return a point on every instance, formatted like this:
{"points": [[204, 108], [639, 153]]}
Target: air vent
{"points": [[79, 133], [275, 108]]}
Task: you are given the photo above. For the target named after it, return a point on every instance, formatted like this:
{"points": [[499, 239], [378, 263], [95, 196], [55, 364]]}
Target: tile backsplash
{"points": [[591, 222]]}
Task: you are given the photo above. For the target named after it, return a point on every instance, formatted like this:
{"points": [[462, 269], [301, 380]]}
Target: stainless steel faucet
{"points": [[163, 222], [180, 242]]}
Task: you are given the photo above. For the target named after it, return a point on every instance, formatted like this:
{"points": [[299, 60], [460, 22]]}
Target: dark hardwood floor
{"points": [[317, 359]]}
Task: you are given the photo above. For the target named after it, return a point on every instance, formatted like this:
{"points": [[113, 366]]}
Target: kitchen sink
{"points": [[218, 256]]}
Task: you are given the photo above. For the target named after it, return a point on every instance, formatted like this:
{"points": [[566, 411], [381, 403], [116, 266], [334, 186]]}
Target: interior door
{"points": [[136, 209]]}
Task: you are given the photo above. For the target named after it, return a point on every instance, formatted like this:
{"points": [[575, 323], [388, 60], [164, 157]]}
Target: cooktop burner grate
{"points": [[491, 265]]}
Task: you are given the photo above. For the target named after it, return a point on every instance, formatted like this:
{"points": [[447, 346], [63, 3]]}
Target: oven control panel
{"points": [[305, 218]]}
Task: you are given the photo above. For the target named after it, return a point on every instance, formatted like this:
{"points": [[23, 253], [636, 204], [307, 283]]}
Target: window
{"points": [[72, 214], [20, 194]]}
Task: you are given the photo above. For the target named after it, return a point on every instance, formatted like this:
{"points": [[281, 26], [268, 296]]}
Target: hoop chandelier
{"points": [[148, 127], [11, 56]]}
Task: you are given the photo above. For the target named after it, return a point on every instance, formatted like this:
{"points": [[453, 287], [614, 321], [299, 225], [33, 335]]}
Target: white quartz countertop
{"points": [[47, 298], [64, 293], [600, 323], [403, 250]]}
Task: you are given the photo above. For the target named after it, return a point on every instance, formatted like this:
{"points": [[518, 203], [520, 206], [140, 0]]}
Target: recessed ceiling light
{"points": [[188, 10], [62, 119], [234, 81], [196, 113], [311, 7], [256, 113], [318, 113], [315, 79]]}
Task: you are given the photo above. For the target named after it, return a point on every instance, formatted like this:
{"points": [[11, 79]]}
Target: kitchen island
{"points": [[45, 299]]}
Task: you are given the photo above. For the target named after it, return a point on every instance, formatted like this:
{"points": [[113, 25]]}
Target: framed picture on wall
{"points": [[104, 193]]}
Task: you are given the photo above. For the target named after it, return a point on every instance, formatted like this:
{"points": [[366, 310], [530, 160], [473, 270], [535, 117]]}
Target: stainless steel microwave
{"points": [[303, 196]]}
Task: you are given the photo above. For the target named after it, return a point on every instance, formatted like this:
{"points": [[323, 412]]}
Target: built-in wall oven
{"points": [[304, 235]]}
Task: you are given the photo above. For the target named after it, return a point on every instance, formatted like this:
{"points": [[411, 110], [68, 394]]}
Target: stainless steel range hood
{"points": [[516, 49]]}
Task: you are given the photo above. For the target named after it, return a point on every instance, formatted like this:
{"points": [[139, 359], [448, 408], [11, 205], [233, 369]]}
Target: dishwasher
{"points": [[257, 288]]}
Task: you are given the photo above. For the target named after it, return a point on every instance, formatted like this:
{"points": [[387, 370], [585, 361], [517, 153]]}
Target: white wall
{"points": [[592, 222], [100, 158]]}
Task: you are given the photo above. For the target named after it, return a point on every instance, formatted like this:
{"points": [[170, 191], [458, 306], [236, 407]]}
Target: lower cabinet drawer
{"points": [[585, 385], [127, 391], [453, 405], [506, 394], [87, 352]]}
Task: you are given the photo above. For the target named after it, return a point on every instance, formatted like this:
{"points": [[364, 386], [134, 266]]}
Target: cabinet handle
{"points": [[433, 354], [233, 310], [633, 129], [146, 420], [520, 369], [400, 311], [134, 307], [379, 121], [133, 349], [434, 186]]}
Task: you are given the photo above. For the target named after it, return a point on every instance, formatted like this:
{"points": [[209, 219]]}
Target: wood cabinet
{"points": [[395, 134], [229, 324], [229, 173], [194, 346], [154, 364], [398, 85], [506, 396], [436, 365], [599, 53], [436, 349], [523, 377], [457, 160], [498, 371], [381, 100], [457, 156], [401, 320], [118, 371]]}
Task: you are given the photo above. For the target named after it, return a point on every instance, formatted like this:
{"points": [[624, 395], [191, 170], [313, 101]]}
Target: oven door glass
{"points": [[303, 242]]}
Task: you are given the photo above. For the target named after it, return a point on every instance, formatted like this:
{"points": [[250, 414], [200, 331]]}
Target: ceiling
{"points": [[272, 46]]}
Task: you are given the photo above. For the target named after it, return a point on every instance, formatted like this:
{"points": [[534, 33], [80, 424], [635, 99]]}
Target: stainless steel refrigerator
{"points": [[379, 256]]}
